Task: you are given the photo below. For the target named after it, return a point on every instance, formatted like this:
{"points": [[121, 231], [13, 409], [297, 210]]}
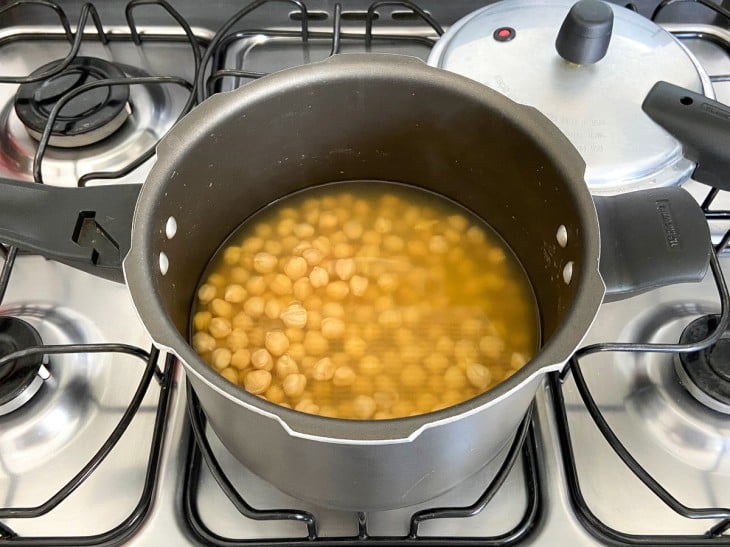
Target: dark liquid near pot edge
{"points": [[365, 300]]}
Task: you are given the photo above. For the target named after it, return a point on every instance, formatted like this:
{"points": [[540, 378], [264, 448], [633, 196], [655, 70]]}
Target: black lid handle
{"points": [[700, 124]]}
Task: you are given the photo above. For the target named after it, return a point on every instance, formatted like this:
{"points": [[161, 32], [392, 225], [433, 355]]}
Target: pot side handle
{"points": [[86, 228], [650, 239]]}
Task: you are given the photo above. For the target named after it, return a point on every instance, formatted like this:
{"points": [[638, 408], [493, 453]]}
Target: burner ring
{"points": [[706, 373], [85, 119], [21, 378]]}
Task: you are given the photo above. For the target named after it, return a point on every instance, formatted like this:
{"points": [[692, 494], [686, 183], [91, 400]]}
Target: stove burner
{"points": [[22, 378], [706, 374], [87, 118]]}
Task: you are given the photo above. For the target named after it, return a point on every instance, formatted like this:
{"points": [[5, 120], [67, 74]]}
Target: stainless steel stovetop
{"points": [[153, 489]]}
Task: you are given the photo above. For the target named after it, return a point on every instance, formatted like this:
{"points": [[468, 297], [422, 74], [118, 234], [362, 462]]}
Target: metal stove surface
{"points": [[682, 443]]}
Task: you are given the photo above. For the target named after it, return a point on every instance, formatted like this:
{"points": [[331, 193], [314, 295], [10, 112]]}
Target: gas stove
{"points": [[101, 442]]}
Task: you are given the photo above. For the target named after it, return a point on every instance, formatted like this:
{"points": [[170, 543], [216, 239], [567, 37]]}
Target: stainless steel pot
{"points": [[377, 117]]}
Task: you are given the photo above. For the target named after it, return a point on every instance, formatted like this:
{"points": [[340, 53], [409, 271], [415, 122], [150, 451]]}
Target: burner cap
{"points": [[22, 378], [706, 374], [87, 118]]}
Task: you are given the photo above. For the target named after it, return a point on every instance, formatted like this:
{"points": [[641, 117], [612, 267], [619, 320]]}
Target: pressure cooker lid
{"points": [[510, 46]]}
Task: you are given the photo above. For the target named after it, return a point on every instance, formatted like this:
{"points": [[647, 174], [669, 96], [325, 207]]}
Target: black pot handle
{"points": [[651, 238], [700, 124], [87, 228]]}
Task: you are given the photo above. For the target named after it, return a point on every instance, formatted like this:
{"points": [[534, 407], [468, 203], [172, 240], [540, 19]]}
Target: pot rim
{"points": [[141, 262]]}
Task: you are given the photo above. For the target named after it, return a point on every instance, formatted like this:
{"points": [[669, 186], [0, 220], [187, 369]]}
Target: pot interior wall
{"points": [[239, 156]]}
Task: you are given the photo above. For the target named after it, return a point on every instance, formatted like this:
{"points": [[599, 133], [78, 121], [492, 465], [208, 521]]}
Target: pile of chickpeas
{"points": [[365, 301]]}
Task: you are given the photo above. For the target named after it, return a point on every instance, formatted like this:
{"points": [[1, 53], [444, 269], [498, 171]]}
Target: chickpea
{"points": [[411, 354], [333, 309], [231, 255], [390, 319], [272, 309], [324, 369], [358, 285], [272, 246], [281, 285], [388, 282], [355, 347], [438, 244], [382, 415], [353, 229], [445, 345], [454, 378], [254, 306], [256, 336], [517, 361], [256, 285], [294, 384], [318, 277], [323, 245], [296, 268], [308, 406], [230, 374], [235, 294], [451, 397], [363, 407], [242, 321], [241, 359], [219, 327], [337, 290], [264, 262], [217, 280], [314, 320], [285, 366], [300, 248], [393, 243], [479, 376], [203, 342], [257, 381], [342, 250], [302, 288], [413, 376], [401, 409], [426, 402], [382, 225], [275, 394], [221, 308], [201, 320], [206, 293], [289, 242], [276, 342], [238, 339], [328, 221], [345, 268], [328, 411], [384, 302], [385, 399], [344, 376], [465, 350], [491, 346], [312, 256], [254, 244], [294, 335], [297, 351], [315, 344], [261, 359], [303, 230], [436, 363], [333, 328], [370, 365]]}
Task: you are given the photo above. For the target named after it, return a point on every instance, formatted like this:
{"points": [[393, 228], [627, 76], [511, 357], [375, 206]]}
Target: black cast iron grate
{"points": [[199, 451], [161, 370]]}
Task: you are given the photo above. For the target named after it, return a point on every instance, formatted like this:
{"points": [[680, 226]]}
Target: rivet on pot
{"points": [[568, 272], [171, 228], [164, 263], [562, 236]]}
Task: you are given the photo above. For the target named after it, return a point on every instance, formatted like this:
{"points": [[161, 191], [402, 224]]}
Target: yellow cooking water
{"points": [[365, 300]]}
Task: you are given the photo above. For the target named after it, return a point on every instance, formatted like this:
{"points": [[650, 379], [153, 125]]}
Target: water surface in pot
{"points": [[365, 300]]}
